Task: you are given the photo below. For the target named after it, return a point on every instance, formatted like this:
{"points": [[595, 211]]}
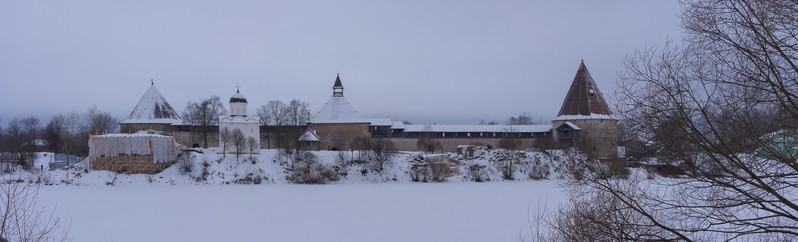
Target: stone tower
{"points": [[585, 120], [338, 123]]}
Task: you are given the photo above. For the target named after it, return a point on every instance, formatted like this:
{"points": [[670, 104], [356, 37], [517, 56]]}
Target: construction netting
{"points": [[162, 148]]}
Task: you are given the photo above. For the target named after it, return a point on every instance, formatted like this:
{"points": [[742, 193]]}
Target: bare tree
{"points": [[732, 85], [271, 115], [274, 111], [524, 118], [203, 115], [252, 145], [597, 216], [225, 137], [297, 112], [100, 122], [76, 135], [382, 151], [510, 143], [54, 133], [426, 141], [285, 121], [238, 140], [21, 135], [21, 218]]}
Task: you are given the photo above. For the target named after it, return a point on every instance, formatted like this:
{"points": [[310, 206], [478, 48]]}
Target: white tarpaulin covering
{"points": [[162, 148]]}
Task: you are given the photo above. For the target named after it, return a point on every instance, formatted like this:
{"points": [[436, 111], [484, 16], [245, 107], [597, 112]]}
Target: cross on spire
{"points": [[238, 87]]}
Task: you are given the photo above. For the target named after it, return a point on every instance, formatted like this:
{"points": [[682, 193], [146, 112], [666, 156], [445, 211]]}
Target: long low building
{"points": [[474, 131]]}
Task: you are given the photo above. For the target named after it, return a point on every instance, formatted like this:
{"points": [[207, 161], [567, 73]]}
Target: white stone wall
{"points": [[249, 126]]}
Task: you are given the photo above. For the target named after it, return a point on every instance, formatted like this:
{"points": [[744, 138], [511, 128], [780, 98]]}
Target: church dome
{"points": [[238, 98]]}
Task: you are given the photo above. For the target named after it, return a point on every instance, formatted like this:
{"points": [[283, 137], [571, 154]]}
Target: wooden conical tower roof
{"points": [[584, 99]]}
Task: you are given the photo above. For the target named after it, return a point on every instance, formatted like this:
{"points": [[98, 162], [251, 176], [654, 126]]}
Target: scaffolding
{"points": [[145, 152]]}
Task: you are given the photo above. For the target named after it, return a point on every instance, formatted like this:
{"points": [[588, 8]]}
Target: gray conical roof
{"points": [[153, 108], [337, 109]]}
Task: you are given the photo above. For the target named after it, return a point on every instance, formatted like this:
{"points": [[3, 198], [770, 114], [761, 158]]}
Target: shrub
{"points": [[539, 171], [185, 164], [609, 169], [667, 170], [205, 172], [419, 172], [440, 171], [307, 170], [477, 173], [283, 158], [250, 179], [507, 162]]}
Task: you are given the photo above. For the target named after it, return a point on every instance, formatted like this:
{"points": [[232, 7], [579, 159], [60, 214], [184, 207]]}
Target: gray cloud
{"points": [[426, 61]]}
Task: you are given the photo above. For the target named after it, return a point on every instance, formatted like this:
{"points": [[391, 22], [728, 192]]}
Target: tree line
{"points": [[66, 133]]}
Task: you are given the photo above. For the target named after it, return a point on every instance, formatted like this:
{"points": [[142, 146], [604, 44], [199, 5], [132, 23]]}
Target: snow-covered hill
{"points": [[272, 166]]}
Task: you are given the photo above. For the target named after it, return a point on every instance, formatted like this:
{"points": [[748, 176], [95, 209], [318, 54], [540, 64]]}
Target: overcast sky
{"points": [[453, 62]]}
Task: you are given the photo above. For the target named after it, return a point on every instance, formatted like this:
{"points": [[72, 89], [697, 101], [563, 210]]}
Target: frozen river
{"points": [[457, 211]]}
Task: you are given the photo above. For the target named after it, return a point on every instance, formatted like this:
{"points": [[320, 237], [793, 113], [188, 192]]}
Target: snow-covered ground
{"points": [[456, 211], [364, 205]]}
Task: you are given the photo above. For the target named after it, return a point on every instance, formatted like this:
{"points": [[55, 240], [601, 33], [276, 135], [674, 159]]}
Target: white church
{"points": [[238, 119]]}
